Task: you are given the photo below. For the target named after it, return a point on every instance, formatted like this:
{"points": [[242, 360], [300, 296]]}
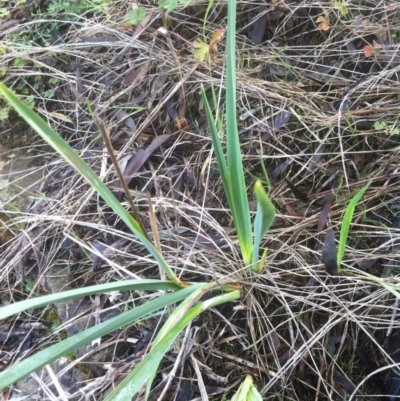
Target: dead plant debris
{"points": [[318, 99]]}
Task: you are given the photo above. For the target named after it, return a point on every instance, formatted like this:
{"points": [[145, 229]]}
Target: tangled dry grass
{"points": [[313, 110]]}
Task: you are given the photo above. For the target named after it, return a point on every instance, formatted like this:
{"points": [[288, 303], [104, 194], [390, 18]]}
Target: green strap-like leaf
{"points": [[347, 218], [172, 322], [219, 154], [50, 354], [244, 388], [133, 383], [62, 147], [39, 302], [237, 185]]}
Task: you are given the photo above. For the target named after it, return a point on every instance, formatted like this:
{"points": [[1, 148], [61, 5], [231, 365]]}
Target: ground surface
{"points": [[318, 110]]}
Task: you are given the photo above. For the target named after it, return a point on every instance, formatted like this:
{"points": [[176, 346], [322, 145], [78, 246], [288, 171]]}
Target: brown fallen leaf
{"points": [[298, 194], [138, 160], [156, 87], [142, 25], [108, 252], [8, 24], [122, 115], [257, 27], [79, 98], [290, 210], [279, 121], [135, 75], [283, 166]]}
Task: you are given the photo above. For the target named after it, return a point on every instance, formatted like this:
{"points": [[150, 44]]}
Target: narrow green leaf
{"points": [[240, 205], [247, 391], [62, 147], [266, 207], [179, 313], [209, 8], [171, 323], [264, 170], [254, 395], [347, 218], [244, 388], [219, 154], [264, 218], [261, 262], [139, 285], [390, 289], [231, 168], [138, 377], [50, 354]]}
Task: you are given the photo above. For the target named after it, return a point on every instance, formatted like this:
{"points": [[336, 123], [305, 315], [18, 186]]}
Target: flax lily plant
{"points": [[231, 166], [167, 292]]}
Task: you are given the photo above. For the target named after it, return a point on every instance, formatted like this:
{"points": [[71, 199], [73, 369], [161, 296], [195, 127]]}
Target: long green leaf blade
{"points": [[50, 354], [237, 185], [390, 289], [172, 322], [180, 312], [138, 377], [219, 154], [62, 147], [347, 218], [42, 301]]}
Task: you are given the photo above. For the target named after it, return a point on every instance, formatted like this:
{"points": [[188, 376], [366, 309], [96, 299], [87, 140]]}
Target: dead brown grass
{"points": [[300, 335]]}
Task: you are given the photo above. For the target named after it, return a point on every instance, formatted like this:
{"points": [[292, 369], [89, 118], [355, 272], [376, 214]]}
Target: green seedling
{"points": [[247, 391], [231, 165], [4, 113], [135, 16], [170, 5], [203, 51], [4, 12], [389, 129], [346, 223], [375, 49], [347, 219], [342, 7]]}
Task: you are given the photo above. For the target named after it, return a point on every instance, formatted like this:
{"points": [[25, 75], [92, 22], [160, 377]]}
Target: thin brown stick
{"points": [[106, 137]]}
